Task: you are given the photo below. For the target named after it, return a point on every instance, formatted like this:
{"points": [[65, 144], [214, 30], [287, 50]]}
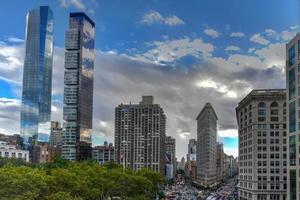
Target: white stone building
{"points": [[261, 118]]}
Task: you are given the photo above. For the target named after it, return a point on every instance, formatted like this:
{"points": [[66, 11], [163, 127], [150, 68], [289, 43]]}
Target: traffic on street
{"points": [[182, 190]]}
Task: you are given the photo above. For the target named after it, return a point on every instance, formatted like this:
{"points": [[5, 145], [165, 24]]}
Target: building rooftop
{"points": [[207, 106], [82, 14], [262, 93]]}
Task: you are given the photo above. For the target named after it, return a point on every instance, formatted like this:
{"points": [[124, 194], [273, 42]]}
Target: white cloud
{"points": [[258, 38], [230, 133], [294, 27], [287, 35], [273, 55], [219, 87], [232, 48], [270, 32], [251, 50], [173, 21], [76, 3], [14, 39], [153, 17], [171, 50], [183, 134], [237, 34], [9, 116], [212, 33]]}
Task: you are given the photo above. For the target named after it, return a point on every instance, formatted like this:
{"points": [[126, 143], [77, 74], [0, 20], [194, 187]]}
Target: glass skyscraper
{"points": [[78, 89], [37, 77]]}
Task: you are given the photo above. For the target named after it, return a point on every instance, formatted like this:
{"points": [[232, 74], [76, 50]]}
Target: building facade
{"points": [[43, 152], [261, 118], [15, 140], [56, 134], [10, 151], [37, 77], [207, 146], [140, 131], [170, 157], [293, 105], [78, 89], [191, 163], [104, 153], [220, 162]]}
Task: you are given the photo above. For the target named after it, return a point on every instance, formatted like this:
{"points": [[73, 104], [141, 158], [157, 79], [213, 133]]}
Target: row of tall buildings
{"points": [[76, 142], [207, 164]]}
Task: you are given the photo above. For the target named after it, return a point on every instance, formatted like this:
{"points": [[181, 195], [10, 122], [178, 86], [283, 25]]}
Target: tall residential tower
{"points": [[78, 90], [37, 77], [140, 131]]}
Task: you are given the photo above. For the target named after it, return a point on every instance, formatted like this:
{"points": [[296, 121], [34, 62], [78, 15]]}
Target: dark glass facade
{"points": [[292, 141], [292, 84], [293, 185], [292, 117], [78, 90], [292, 56], [37, 77]]}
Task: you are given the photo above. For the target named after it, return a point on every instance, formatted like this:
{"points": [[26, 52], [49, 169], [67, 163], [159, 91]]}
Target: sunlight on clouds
{"points": [[218, 87], [183, 134], [231, 133]]}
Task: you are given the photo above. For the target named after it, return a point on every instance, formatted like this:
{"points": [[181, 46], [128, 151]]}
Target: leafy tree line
{"points": [[64, 180]]}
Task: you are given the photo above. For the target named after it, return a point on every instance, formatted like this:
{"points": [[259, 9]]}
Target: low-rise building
{"points": [[10, 151], [104, 153], [43, 153], [14, 139]]}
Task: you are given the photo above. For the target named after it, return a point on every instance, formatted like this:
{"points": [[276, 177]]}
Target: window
{"points": [[292, 84], [292, 148], [274, 119], [292, 56], [261, 108], [274, 112], [274, 104], [292, 117], [293, 194]]}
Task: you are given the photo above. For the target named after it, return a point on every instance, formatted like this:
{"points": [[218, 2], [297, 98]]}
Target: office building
{"points": [[140, 131], [10, 151], [56, 135], [293, 105], [37, 77], [170, 157], [170, 146], [230, 166], [220, 162], [181, 164], [261, 118], [191, 163], [104, 153], [207, 146], [78, 89]]}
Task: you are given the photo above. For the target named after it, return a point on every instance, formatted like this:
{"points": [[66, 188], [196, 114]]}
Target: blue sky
{"points": [[185, 53]]}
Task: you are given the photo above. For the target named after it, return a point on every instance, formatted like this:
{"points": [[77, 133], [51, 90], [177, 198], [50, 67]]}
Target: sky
{"points": [[184, 53]]}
